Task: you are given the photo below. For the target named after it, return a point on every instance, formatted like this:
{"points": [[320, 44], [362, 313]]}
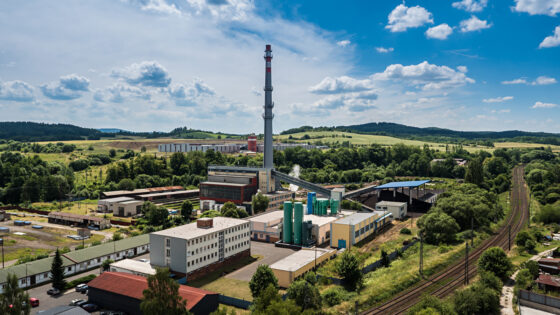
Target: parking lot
{"points": [[270, 253]]}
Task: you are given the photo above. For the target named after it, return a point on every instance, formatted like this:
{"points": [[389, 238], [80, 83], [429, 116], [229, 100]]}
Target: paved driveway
{"points": [[270, 253]]}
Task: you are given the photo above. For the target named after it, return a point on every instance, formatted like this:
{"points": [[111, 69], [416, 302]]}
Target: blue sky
{"points": [[158, 64]]}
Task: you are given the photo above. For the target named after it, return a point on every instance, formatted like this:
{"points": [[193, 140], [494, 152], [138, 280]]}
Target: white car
{"points": [[144, 260]]}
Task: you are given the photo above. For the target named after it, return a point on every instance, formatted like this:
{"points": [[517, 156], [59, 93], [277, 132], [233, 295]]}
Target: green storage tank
{"points": [[334, 206], [326, 207], [298, 222], [322, 205], [315, 205], [287, 228]]}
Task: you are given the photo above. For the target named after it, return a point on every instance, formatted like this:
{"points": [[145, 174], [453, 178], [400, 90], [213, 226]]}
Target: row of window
{"points": [[364, 230], [201, 259], [237, 246], [236, 237]]}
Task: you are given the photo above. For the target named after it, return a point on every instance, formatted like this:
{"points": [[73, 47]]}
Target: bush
{"points": [[522, 238], [530, 245], [95, 243], [75, 282], [332, 296], [405, 231], [477, 299], [532, 266], [523, 279], [496, 261], [438, 227]]}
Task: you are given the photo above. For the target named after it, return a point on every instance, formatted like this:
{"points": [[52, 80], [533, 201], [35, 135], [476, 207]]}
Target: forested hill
{"points": [[432, 133], [31, 131]]}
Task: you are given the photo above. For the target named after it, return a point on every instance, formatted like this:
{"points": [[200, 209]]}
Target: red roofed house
{"points": [[123, 292], [548, 282], [550, 265]]}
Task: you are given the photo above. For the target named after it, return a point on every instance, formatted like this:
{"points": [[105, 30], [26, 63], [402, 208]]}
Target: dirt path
{"points": [[506, 299]]}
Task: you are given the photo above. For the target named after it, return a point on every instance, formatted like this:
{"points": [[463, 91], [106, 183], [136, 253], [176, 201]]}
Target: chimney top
{"points": [[204, 223]]}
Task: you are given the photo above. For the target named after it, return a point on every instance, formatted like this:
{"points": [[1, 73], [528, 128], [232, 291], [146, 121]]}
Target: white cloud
{"points": [[159, 6], [474, 24], [552, 40], [403, 17], [498, 99], [541, 80], [424, 75], [516, 81], [343, 43], [146, 73], [341, 84], [544, 80], [383, 50], [463, 69], [68, 87], [119, 93], [17, 91], [544, 105], [470, 5], [190, 94], [441, 31], [534, 7], [501, 111]]}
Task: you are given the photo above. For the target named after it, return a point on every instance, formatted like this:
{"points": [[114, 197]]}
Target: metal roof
{"points": [[299, 259], [412, 183], [191, 230], [356, 218]]}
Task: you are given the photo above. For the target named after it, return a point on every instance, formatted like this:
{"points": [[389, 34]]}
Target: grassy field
{"points": [[523, 145]]}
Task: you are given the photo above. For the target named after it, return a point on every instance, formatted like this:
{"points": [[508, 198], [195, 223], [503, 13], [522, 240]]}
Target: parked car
{"points": [[82, 287], [75, 302], [144, 260], [90, 307], [34, 302], [53, 291]]}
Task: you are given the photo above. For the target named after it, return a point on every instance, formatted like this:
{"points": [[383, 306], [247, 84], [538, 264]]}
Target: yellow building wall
{"points": [[285, 278], [340, 232]]}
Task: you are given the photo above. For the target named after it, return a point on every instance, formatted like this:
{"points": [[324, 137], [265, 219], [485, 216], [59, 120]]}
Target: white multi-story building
{"points": [[191, 147], [193, 248]]}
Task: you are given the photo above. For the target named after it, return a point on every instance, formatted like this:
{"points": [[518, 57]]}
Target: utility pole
{"points": [[466, 263], [509, 237], [2, 243], [421, 267], [472, 231]]}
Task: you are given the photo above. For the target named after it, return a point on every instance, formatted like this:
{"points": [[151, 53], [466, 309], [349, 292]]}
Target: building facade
{"points": [[350, 230], [397, 209], [206, 244]]}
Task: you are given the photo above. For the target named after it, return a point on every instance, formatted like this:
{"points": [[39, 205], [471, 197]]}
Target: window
{"points": [[167, 253], [167, 242], [357, 233]]}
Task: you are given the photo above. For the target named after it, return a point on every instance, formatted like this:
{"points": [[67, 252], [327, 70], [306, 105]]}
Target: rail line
{"points": [[448, 280]]}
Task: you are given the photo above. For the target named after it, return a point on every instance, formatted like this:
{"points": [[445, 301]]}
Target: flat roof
{"points": [[135, 265], [189, 231], [356, 218], [225, 184], [76, 216], [412, 183], [390, 203], [178, 192], [128, 202], [116, 199], [315, 219], [141, 190], [299, 259]]}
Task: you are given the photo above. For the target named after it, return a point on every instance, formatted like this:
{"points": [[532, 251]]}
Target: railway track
{"points": [[452, 278]]}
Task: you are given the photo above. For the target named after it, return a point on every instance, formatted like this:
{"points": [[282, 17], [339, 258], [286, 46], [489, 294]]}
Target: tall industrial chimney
{"points": [[268, 115]]}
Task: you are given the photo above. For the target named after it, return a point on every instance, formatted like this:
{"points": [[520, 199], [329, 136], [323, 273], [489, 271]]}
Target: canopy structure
{"points": [[408, 184]]}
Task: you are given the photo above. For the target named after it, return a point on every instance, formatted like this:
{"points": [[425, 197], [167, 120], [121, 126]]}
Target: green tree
{"points": [[259, 203], [348, 267], [126, 184], [143, 149], [269, 295], [496, 261], [107, 264], [117, 236], [311, 278], [522, 237], [157, 215], [524, 279], [229, 209], [57, 272], [162, 295], [433, 305], [112, 153], [385, 262], [261, 279], [305, 295], [530, 245], [438, 227], [490, 280], [477, 299], [475, 172], [14, 300], [186, 210], [532, 266]]}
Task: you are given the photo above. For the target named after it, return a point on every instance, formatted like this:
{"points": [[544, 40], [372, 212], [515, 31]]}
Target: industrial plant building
{"points": [[198, 248], [134, 267], [293, 267], [351, 229], [124, 292], [251, 146], [397, 209], [136, 192], [81, 220], [222, 187]]}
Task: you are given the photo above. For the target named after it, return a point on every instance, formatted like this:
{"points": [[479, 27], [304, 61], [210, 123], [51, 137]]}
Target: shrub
{"points": [[523, 279], [496, 261], [332, 296], [522, 238], [75, 282], [405, 231]]}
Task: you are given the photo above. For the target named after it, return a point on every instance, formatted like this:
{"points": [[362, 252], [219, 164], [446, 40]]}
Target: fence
{"points": [[544, 300], [235, 302], [44, 212]]}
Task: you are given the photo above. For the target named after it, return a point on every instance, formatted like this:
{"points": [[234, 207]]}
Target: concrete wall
{"points": [[178, 254], [285, 278], [157, 250]]}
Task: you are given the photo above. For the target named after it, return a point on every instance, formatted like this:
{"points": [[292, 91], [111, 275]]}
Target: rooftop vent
{"points": [[204, 223]]}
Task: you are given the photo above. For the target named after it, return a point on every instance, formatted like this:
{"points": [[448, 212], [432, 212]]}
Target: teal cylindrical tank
{"points": [[298, 222], [310, 197], [322, 206], [326, 206], [287, 229], [334, 206]]}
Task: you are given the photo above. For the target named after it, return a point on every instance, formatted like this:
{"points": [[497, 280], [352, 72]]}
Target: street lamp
{"points": [[2, 243]]}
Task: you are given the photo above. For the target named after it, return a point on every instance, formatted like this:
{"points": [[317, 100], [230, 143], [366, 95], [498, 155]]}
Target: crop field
{"points": [[523, 145]]}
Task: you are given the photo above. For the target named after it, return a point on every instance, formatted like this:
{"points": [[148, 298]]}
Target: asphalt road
{"points": [[270, 253]]}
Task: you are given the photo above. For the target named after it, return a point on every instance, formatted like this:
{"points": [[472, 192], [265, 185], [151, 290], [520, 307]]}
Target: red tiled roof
{"points": [[132, 286], [548, 280]]}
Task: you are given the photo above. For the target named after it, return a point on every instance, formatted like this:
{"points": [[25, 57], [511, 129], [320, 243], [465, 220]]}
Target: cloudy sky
{"points": [[146, 65]]}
